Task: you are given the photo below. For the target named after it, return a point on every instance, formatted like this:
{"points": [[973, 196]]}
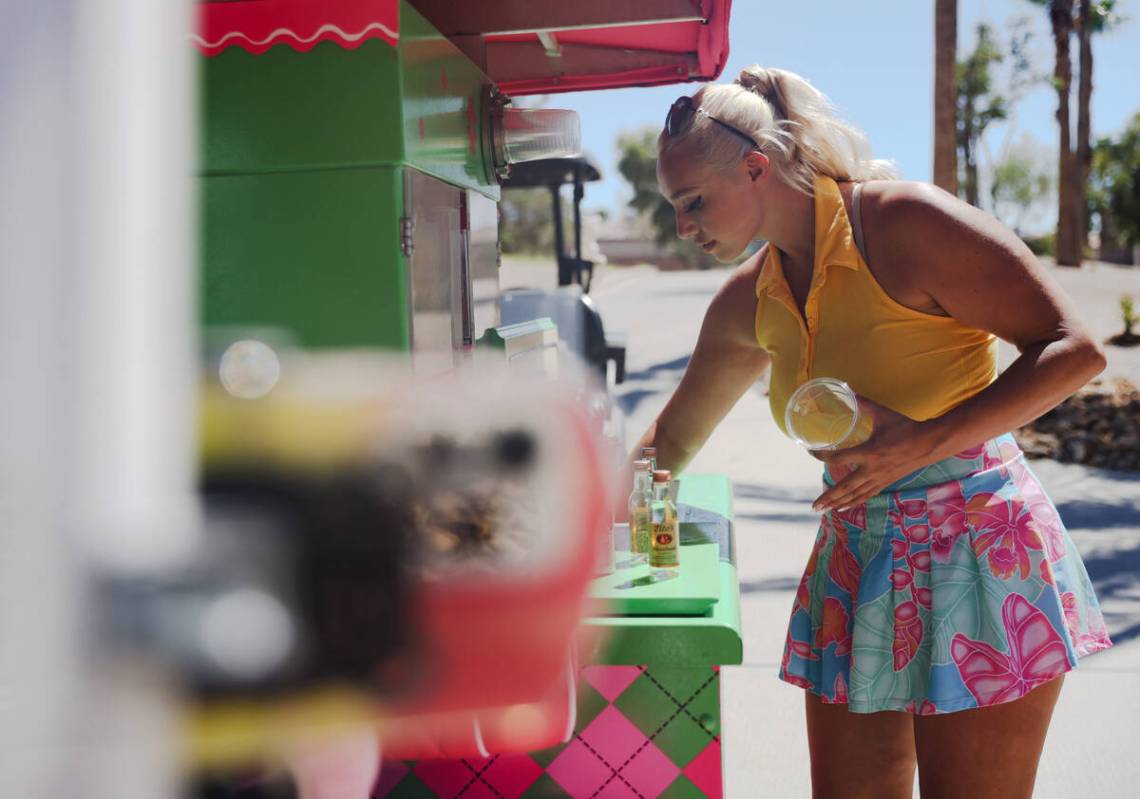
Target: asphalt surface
{"points": [[1090, 750]]}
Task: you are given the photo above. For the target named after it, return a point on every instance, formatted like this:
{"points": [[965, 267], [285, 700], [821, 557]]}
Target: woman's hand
{"points": [[898, 446]]}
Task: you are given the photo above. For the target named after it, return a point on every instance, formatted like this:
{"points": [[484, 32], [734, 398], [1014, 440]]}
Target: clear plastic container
{"points": [[640, 503], [528, 134], [823, 414]]}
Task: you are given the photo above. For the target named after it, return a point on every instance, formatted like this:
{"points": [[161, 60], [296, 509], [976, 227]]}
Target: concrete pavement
{"points": [[1090, 749]]}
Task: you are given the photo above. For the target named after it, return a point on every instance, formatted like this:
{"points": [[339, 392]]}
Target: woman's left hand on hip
{"points": [[898, 446]]}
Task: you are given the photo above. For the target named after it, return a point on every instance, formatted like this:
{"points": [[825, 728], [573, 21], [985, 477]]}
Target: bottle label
{"points": [[664, 552]]}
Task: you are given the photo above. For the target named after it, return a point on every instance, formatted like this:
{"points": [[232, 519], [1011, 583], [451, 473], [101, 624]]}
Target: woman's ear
{"points": [[757, 165]]}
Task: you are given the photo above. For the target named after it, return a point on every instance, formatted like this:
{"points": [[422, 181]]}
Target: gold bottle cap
{"points": [[641, 465], [662, 476], [649, 452]]}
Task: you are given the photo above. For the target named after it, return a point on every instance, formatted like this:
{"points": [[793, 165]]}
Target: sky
{"points": [[875, 60]]}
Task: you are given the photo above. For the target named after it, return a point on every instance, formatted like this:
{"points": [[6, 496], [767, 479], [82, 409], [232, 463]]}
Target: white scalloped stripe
{"points": [[287, 33]]}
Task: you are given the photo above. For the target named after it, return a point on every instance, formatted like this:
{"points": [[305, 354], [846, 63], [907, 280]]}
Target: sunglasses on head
{"points": [[681, 114]]}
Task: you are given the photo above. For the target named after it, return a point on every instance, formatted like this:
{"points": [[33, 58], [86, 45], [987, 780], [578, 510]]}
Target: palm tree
{"points": [[1069, 191], [1084, 96], [945, 94], [1091, 18]]}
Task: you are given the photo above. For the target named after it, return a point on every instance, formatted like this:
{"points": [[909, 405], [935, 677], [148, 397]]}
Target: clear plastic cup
{"points": [[824, 414]]}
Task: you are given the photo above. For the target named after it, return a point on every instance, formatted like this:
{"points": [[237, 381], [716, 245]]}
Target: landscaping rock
{"points": [[1098, 426]]}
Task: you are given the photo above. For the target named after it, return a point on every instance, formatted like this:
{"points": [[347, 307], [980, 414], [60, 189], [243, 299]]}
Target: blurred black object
{"points": [[214, 786], [333, 552], [339, 552]]}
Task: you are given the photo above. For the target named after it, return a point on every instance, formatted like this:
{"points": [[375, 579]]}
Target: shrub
{"points": [[1042, 245]]}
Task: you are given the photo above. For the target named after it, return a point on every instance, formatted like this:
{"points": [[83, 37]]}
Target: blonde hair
{"points": [[794, 123]]}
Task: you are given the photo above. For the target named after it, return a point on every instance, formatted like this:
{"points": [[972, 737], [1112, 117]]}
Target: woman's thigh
{"points": [[859, 754], [988, 752]]}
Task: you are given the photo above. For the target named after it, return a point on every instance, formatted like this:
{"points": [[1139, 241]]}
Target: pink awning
{"points": [[549, 46], [525, 46], [301, 24]]}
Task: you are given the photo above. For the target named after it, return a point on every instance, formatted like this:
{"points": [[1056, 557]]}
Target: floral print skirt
{"points": [[957, 587]]}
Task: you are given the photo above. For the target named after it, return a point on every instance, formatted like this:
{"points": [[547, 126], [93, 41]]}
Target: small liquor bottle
{"points": [[640, 531], [650, 454], [664, 557]]}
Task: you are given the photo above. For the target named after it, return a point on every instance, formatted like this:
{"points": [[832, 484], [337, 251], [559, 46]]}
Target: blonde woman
{"points": [[943, 601]]}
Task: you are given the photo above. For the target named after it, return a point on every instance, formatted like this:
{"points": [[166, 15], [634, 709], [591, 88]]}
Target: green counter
{"points": [[705, 509]]}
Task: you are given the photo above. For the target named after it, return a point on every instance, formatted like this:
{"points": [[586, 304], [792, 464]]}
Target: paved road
{"points": [[1090, 751]]}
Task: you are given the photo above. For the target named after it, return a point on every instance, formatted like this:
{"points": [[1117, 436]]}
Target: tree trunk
{"points": [[1068, 250], [1084, 123], [945, 94]]}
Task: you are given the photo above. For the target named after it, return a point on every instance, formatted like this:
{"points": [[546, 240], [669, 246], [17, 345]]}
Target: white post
{"points": [[97, 371]]}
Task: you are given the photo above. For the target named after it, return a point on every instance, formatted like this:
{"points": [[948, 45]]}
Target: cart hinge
{"points": [[407, 235]]}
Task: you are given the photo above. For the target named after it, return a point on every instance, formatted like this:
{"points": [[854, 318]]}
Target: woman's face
{"points": [[720, 211]]}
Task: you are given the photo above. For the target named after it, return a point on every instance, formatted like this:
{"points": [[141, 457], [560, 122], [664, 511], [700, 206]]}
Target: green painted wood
{"points": [[330, 107], [632, 590], [285, 110], [313, 254], [302, 156], [713, 638], [442, 97]]}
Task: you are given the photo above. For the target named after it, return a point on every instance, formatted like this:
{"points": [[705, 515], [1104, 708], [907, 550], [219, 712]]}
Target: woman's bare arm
{"points": [[725, 362], [989, 279], [982, 274]]}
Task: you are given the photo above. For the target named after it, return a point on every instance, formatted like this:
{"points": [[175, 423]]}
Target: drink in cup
{"points": [[823, 414]]}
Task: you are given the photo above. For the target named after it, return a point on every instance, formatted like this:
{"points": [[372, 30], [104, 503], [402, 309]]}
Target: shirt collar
{"points": [[834, 239]]}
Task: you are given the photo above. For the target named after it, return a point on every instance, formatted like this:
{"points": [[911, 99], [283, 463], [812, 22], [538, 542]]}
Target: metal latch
{"points": [[407, 235]]}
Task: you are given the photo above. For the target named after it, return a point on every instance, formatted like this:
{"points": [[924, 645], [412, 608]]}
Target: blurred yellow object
{"points": [[286, 430], [225, 734]]}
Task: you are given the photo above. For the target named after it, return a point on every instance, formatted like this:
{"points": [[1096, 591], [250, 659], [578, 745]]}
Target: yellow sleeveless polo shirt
{"points": [[915, 363]]}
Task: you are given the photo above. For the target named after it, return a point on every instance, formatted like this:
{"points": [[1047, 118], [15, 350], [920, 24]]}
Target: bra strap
{"points": [[857, 221]]}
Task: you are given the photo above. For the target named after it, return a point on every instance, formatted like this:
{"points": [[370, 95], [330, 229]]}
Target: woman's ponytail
{"points": [[794, 123]]}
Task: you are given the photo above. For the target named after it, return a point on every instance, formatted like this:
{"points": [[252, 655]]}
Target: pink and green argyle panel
{"points": [[641, 733]]}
